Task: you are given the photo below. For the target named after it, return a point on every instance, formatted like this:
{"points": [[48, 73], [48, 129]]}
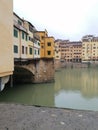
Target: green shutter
{"points": [[15, 49], [30, 49], [22, 35], [26, 37], [15, 33]]}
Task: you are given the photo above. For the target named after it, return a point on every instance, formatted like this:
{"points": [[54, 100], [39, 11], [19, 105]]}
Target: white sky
{"points": [[63, 19]]}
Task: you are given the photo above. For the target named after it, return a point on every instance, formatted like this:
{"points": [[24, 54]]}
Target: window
{"points": [[26, 50], [39, 43], [30, 39], [38, 52], [22, 49], [30, 28], [22, 35], [15, 33], [26, 37], [15, 49], [30, 51], [49, 52], [49, 43], [42, 37], [19, 22], [42, 46], [35, 52]]}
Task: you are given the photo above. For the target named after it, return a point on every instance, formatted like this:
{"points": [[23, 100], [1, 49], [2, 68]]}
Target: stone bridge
{"points": [[35, 71]]}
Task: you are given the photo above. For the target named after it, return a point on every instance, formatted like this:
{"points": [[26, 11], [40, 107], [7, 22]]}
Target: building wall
{"points": [[71, 51], [27, 40], [30, 40], [68, 52], [77, 52], [90, 51], [37, 49], [21, 44], [46, 50], [33, 41], [57, 50], [89, 48], [16, 41], [42, 35], [6, 40], [63, 49], [49, 47], [24, 46], [57, 55], [24, 41]]}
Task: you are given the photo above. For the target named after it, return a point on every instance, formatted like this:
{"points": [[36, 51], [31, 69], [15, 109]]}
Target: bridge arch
{"points": [[23, 74]]}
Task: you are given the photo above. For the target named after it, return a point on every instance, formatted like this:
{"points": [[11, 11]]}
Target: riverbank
{"points": [[63, 64], [23, 117]]}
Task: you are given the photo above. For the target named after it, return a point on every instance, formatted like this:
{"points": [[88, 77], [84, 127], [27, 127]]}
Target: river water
{"points": [[75, 88]]}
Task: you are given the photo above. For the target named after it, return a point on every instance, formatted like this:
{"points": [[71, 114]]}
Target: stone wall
{"points": [[75, 65], [44, 71], [63, 64], [57, 64]]}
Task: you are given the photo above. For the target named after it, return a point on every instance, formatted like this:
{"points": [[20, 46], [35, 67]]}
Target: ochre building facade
{"points": [[6, 41], [46, 44]]}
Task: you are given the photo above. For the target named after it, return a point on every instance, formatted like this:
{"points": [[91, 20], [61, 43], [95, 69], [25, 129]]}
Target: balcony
{"points": [[20, 27]]}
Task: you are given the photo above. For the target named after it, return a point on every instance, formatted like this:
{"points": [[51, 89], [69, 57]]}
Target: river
{"points": [[75, 88]]}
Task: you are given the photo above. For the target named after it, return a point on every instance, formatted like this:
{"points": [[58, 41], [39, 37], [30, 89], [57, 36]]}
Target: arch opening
{"points": [[22, 75]]}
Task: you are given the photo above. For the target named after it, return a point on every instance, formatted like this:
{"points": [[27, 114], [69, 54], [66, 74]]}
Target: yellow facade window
{"points": [[42, 46], [49, 52], [49, 43]]}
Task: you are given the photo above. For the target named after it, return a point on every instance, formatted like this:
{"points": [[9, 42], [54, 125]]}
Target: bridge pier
{"points": [[44, 71]]}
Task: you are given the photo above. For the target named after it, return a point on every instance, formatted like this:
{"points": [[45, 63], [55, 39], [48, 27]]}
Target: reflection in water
{"points": [[77, 88], [31, 94], [83, 80], [73, 88]]}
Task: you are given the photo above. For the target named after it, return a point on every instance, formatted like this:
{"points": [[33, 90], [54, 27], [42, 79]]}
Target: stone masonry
{"points": [[37, 71]]}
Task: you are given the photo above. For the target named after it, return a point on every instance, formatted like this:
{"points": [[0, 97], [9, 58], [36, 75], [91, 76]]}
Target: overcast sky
{"points": [[63, 19]]}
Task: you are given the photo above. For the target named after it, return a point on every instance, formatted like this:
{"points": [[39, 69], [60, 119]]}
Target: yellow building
{"points": [[89, 48], [46, 44], [49, 47], [6, 41]]}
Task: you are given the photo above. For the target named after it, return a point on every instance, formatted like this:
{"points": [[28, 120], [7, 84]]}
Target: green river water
{"points": [[75, 88]]}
